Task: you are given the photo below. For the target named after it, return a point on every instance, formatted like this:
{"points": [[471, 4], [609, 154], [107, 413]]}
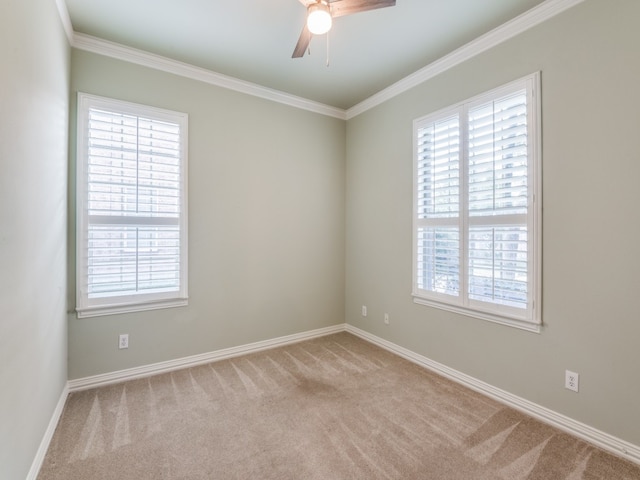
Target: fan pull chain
{"points": [[327, 49]]}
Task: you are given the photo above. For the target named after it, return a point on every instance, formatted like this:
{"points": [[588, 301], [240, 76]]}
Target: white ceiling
{"points": [[253, 40]]}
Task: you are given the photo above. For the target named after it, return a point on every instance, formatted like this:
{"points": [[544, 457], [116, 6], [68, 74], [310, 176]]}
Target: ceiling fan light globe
{"points": [[319, 19]]}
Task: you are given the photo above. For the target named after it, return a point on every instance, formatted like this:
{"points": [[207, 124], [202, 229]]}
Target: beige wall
{"points": [[590, 66], [266, 222], [34, 84]]}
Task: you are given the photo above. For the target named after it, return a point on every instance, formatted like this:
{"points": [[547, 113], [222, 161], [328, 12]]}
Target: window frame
{"points": [[118, 304], [530, 318]]}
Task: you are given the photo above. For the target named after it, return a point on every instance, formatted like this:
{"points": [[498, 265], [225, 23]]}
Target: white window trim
{"points": [[532, 318], [86, 307]]}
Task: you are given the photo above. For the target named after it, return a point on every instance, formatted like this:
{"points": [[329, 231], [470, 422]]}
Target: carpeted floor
{"points": [[331, 408]]}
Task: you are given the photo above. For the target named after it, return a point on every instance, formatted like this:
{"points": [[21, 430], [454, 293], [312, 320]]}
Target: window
{"points": [[477, 207], [131, 207]]}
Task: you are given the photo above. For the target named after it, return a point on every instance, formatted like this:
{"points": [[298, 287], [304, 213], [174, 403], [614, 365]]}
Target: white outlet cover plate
{"points": [[571, 380]]}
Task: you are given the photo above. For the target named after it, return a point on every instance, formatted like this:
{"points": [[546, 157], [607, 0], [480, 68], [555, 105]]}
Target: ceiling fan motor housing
{"points": [[319, 18]]}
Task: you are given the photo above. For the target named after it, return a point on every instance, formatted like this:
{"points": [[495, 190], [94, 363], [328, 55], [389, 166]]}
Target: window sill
{"points": [[100, 311], [489, 317]]}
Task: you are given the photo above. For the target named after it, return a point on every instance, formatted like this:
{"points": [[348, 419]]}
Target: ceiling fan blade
{"points": [[340, 8], [303, 43]]}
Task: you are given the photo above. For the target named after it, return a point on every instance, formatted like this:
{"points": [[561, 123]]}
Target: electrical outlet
{"points": [[364, 310], [386, 319], [123, 341], [571, 380]]}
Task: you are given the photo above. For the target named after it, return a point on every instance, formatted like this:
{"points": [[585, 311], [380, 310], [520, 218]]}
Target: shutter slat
{"points": [[498, 157], [438, 163], [498, 265], [133, 169], [134, 166], [438, 260]]}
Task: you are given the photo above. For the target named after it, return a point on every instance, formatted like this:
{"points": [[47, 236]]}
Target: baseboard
{"points": [[596, 437], [194, 360], [48, 435]]}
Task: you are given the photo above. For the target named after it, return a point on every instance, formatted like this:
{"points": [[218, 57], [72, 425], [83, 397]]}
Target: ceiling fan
{"points": [[321, 12]]}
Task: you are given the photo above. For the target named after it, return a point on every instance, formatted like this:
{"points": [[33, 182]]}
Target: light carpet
{"points": [[334, 407]]}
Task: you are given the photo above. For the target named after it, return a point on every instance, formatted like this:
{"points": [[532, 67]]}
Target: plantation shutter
{"points": [[438, 206], [134, 204], [498, 201], [477, 241], [132, 247]]}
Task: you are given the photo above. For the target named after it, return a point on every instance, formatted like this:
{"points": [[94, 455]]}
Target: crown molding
{"points": [[510, 29], [158, 62], [65, 18]]}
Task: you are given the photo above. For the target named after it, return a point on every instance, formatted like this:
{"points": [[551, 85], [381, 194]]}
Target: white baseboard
{"points": [[48, 435], [194, 360], [594, 436]]}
